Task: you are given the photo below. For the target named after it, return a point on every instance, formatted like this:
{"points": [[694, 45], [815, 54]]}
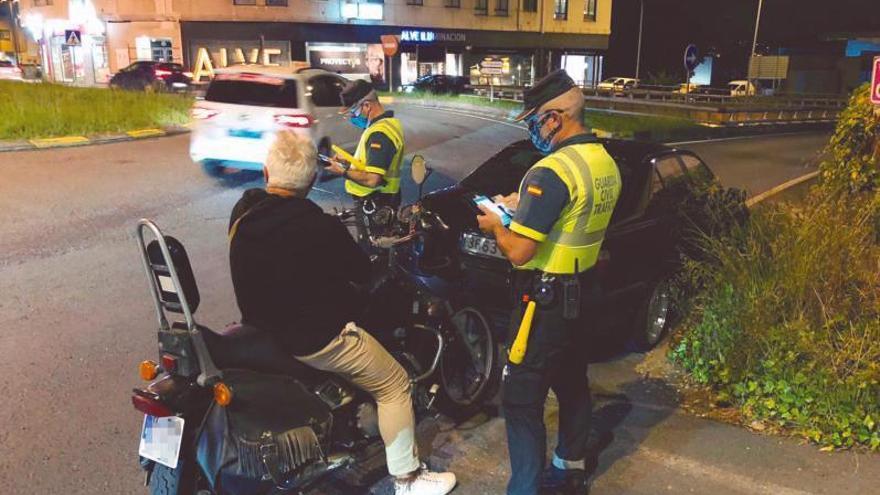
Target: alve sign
{"points": [[204, 65]]}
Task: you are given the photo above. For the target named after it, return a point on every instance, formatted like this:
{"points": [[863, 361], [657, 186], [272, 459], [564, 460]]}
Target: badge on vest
{"points": [[376, 146], [534, 190]]}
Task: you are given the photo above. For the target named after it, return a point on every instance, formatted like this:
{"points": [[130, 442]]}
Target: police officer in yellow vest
{"points": [[373, 177], [563, 207]]}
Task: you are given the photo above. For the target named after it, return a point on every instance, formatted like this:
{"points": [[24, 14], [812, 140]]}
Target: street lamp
{"points": [[754, 44], [639, 50]]}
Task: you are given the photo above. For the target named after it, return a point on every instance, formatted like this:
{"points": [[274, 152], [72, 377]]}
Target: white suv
{"points": [[245, 106]]}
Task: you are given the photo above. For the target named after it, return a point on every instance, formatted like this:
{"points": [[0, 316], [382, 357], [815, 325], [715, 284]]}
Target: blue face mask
{"points": [[541, 143], [358, 119]]}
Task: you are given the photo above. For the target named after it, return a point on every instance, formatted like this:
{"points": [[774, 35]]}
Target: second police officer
{"points": [[565, 202]]}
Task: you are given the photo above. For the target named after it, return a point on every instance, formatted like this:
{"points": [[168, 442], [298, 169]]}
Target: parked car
{"points": [[152, 76], [639, 257], [685, 88], [438, 84], [748, 88], [9, 71], [617, 85], [246, 105]]}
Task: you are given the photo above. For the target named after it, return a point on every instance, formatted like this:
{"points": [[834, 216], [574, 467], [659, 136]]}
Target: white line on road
{"points": [[720, 476]]}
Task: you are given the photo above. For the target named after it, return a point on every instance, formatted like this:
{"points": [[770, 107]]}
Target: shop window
{"points": [[244, 2], [560, 11], [501, 8], [276, 3], [590, 10], [453, 4], [530, 5], [415, 2], [326, 90], [481, 7]]}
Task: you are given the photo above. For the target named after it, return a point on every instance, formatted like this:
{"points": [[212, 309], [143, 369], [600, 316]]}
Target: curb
{"points": [[754, 200], [73, 141]]}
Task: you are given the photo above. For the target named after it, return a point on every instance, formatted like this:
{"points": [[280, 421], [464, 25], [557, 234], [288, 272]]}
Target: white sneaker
{"points": [[426, 483]]}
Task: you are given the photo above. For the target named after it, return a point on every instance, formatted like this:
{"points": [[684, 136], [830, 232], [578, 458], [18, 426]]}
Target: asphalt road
{"points": [[76, 319]]}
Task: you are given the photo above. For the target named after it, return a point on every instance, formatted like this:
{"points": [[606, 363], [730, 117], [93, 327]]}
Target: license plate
{"points": [[161, 439], [481, 246], [245, 133]]}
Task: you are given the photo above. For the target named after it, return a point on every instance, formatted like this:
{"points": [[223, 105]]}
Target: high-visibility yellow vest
{"points": [[593, 183], [390, 127]]}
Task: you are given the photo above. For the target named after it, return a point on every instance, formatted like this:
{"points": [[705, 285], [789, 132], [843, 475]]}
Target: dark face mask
{"points": [[535, 124]]}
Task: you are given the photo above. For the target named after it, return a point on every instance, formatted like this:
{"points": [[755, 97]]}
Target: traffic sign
{"points": [[491, 71], [72, 37], [690, 58], [390, 44], [875, 82], [494, 64]]}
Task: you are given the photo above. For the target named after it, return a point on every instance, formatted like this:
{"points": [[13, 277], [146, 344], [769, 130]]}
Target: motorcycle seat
{"points": [[241, 346]]}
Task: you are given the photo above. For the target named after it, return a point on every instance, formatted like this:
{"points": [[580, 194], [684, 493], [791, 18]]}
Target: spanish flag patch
{"points": [[376, 146], [534, 190]]}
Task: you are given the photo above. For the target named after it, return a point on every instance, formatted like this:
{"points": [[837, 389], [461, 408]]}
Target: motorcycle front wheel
{"points": [[468, 371]]}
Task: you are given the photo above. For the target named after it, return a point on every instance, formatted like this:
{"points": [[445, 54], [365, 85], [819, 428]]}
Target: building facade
{"points": [[505, 42]]}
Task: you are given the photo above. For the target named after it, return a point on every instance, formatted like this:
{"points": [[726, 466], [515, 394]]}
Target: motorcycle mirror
{"points": [[419, 169]]}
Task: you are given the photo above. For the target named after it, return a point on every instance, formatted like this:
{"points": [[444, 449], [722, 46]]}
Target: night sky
{"points": [[726, 27]]}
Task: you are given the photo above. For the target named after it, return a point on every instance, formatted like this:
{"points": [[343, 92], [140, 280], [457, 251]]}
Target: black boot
{"points": [[564, 482]]}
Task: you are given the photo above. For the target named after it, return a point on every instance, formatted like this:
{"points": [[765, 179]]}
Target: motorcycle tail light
{"points": [[222, 394], [294, 121], [169, 363], [148, 370], [149, 405]]}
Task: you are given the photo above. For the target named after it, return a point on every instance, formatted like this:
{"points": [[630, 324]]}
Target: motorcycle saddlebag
{"points": [[273, 432]]}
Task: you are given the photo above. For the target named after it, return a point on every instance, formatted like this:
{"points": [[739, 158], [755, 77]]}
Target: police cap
{"points": [[552, 86]]}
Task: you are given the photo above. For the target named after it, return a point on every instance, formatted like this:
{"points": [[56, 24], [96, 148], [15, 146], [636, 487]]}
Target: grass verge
{"points": [[50, 110]]}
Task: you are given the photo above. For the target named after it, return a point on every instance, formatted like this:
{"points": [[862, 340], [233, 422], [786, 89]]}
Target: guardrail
{"points": [[704, 107]]}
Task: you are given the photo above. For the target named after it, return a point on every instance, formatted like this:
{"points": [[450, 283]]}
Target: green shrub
{"points": [[785, 318], [851, 162], [48, 110]]}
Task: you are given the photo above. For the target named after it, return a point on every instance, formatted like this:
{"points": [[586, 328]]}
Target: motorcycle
{"points": [[228, 412]]}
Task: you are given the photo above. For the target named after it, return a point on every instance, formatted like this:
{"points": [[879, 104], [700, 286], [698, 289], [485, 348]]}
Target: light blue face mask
{"points": [[535, 123], [358, 119]]}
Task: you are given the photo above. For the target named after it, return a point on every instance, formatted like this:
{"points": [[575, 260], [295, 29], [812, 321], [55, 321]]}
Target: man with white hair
{"points": [[293, 269], [563, 207]]}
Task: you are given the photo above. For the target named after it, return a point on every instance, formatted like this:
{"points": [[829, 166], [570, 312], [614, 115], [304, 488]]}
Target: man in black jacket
{"points": [[293, 269]]}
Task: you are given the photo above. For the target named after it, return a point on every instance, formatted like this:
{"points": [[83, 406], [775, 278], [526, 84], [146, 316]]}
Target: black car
{"points": [[152, 76], [638, 259], [438, 84]]}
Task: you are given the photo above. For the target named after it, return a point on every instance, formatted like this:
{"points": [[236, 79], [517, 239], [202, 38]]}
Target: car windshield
{"points": [[253, 89], [610, 80]]}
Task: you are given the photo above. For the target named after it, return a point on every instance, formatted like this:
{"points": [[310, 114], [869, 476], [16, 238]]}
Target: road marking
{"points": [[778, 189], [139, 133], [720, 476], [61, 141]]}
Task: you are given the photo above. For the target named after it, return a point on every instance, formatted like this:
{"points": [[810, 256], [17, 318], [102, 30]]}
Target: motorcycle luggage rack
{"points": [[165, 281]]}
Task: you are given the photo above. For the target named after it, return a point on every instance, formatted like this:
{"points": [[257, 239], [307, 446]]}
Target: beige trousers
{"points": [[359, 358]]}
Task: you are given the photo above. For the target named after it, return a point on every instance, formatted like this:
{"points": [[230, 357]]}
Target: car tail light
{"points": [[161, 73], [169, 363], [188, 74], [200, 113], [150, 405], [294, 121]]}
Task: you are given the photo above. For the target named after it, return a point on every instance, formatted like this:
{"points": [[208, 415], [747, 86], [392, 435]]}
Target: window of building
{"points": [[530, 5], [481, 7], [561, 10], [244, 2], [501, 7], [415, 2], [590, 10], [453, 4], [42, 3], [276, 3]]}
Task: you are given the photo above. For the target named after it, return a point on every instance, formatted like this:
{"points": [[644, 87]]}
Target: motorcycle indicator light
{"points": [[148, 370], [222, 394]]}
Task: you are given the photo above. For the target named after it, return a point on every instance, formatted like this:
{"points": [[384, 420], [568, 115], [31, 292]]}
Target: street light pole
{"points": [[754, 44], [639, 50]]}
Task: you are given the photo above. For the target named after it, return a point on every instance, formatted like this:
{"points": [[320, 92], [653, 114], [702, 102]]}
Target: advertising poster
{"points": [[354, 61]]}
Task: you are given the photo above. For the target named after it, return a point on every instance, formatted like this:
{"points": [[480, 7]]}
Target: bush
{"points": [[852, 162], [47, 110], [786, 316]]}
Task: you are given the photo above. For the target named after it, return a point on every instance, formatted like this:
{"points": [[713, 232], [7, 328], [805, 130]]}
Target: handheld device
{"points": [[324, 158], [495, 208]]}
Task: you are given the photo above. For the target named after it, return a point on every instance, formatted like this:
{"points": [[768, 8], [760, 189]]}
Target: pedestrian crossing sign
{"points": [[72, 37]]}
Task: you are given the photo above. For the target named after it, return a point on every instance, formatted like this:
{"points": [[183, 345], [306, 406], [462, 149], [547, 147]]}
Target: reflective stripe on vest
{"points": [[391, 128], [593, 183]]}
